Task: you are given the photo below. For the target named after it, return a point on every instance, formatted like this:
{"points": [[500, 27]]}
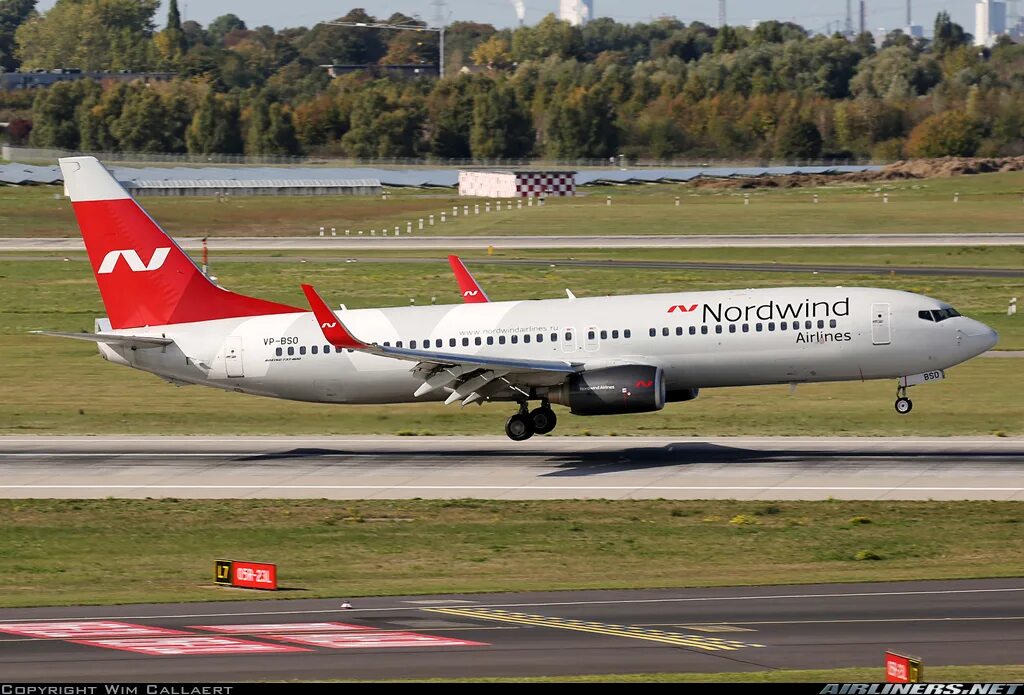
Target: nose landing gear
{"points": [[903, 404]]}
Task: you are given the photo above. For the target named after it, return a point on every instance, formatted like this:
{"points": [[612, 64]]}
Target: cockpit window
{"points": [[938, 314]]}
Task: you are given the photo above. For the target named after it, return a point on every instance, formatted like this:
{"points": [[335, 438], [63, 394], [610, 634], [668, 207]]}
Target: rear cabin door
{"points": [[880, 328], [233, 356]]}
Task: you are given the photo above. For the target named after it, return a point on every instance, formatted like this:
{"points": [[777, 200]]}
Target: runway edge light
{"points": [[245, 575], [900, 668]]}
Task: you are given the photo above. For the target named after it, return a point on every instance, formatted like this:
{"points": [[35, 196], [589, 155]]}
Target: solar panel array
{"points": [[448, 178]]}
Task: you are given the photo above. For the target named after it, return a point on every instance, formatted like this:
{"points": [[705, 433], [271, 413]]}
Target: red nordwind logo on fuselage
{"points": [[644, 384], [682, 307]]}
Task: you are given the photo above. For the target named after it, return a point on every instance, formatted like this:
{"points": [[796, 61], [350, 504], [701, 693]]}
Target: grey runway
{"points": [[425, 241], [496, 468], [772, 267], [521, 634]]}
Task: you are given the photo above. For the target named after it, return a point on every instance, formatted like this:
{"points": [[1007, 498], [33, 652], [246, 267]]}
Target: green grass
{"points": [[122, 551], [988, 203], [890, 259], [62, 386], [862, 674]]}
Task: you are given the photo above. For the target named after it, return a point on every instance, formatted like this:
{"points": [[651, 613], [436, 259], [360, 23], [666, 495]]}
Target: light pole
{"points": [[401, 27]]}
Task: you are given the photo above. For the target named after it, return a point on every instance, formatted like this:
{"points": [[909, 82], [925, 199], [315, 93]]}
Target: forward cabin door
{"points": [[880, 328], [233, 356]]}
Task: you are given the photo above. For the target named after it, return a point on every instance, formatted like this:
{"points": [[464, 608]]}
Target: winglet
{"points": [[333, 329], [472, 293]]}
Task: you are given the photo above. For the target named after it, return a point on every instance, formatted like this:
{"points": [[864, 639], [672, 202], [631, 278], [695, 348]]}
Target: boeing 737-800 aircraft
{"points": [[598, 356]]}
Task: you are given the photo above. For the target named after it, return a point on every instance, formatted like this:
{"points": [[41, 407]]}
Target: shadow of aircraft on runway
{"points": [[587, 461]]}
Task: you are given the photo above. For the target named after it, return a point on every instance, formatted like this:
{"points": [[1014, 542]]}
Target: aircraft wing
{"points": [[470, 377], [471, 291], [135, 341]]}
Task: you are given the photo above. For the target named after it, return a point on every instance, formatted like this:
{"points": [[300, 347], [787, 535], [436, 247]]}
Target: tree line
{"points": [[649, 90]]}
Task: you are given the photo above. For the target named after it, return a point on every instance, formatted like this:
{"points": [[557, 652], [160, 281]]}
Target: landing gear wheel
{"points": [[904, 405], [519, 427], [543, 419]]}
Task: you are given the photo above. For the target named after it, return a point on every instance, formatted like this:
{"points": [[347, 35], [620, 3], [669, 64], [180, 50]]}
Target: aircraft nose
{"points": [[979, 337]]}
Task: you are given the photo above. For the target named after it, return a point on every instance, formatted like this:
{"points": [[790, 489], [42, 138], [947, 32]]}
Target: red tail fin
{"points": [[145, 278]]}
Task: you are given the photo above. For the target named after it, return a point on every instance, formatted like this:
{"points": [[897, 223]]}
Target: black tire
{"points": [[519, 428], [904, 405], [543, 420]]}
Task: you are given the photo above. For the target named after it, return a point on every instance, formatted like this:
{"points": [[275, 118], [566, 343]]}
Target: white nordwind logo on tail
{"points": [[470, 293], [328, 325], [131, 257]]}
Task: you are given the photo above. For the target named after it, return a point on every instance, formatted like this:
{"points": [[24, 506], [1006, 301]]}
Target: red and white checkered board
{"points": [[534, 185]]}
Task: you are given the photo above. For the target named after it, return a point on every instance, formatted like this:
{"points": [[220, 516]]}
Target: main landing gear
{"points": [[903, 404], [527, 423]]}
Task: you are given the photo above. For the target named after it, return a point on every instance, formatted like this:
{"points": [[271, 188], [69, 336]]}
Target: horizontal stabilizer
{"points": [[139, 341]]}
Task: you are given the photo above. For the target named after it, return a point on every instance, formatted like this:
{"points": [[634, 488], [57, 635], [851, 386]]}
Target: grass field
{"points": [[933, 674], [988, 203], [64, 387], [122, 551]]}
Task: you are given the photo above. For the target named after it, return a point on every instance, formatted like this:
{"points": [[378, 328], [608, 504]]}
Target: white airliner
{"points": [[598, 356]]}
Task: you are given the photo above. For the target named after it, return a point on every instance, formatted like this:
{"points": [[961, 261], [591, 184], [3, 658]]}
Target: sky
{"points": [[812, 15]]}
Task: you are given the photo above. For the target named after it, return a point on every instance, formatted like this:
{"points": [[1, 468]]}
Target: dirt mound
{"points": [[906, 169]]}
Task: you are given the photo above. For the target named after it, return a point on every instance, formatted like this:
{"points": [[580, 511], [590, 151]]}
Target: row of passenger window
{"points": [[745, 327], [301, 350], [502, 340], [453, 342]]}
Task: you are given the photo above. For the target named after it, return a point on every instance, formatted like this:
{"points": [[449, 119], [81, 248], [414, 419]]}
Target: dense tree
{"points": [[500, 129], [13, 14], [659, 89], [948, 35], [90, 35], [222, 26], [950, 133], [214, 128], [54, 111]]}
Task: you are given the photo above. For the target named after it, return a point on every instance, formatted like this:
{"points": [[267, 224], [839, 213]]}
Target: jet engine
{"points": [[612, 391]]}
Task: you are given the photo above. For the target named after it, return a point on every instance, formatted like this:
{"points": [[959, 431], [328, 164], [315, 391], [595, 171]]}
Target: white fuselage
{"points": [[700, 339]]}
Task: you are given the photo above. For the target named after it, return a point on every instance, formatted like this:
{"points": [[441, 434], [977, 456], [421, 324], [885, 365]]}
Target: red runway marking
{"points": [[189, 645], [281, 627], [90, 628], [370, 640]]}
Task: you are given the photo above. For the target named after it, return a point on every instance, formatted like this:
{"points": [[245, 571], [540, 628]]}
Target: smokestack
{"points": [[520, 10], [863, 12], [908, 14], [849, 18], [721, 13]]}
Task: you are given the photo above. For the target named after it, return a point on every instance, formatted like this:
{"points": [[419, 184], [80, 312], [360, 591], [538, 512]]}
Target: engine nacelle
{"points": [[612, 391], [680, 395]]}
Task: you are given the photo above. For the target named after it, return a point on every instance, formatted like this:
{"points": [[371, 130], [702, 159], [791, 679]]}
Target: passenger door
{"points": [[880, 328], [233, 356]]}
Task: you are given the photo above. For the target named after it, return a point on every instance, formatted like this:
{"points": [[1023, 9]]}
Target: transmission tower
{"points": [[440, 15], [721, 13]]}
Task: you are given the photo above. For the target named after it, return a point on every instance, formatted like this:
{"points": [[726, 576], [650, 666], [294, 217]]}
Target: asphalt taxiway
{"points": [[430, 241], [496, 468], [525, 634]]}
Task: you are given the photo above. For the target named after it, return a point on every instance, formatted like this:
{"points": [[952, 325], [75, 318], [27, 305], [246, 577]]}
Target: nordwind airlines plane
{"points": [[598, 356]]}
